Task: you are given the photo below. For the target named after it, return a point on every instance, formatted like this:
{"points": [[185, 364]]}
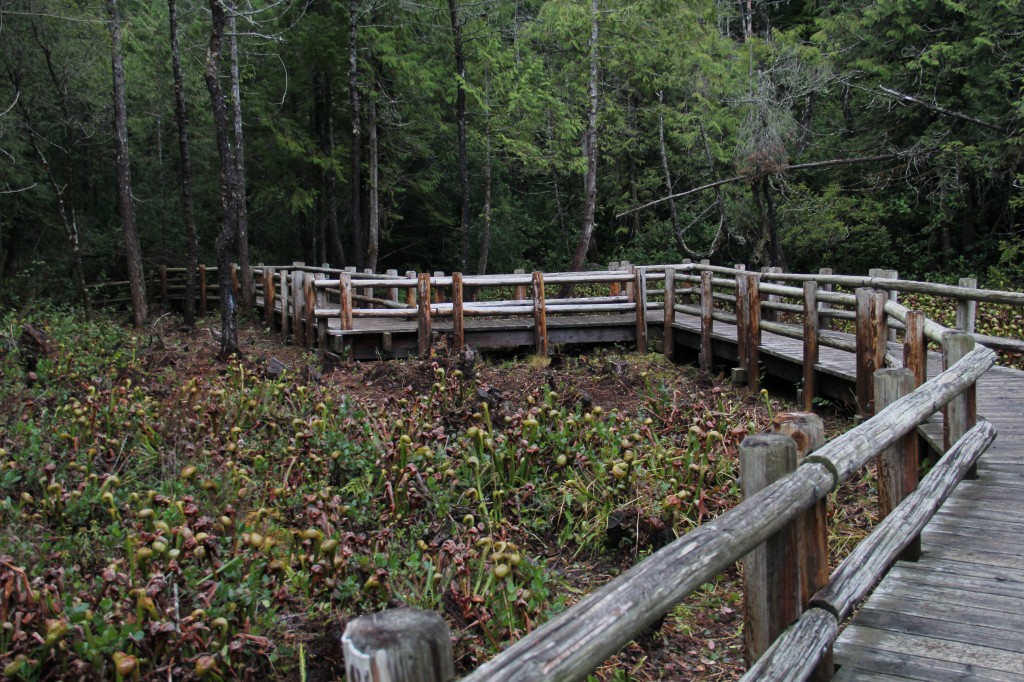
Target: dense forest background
{"points": [[488, 135]]}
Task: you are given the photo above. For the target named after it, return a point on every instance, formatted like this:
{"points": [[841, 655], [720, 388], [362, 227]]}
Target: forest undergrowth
{"points": [[166, 515]]}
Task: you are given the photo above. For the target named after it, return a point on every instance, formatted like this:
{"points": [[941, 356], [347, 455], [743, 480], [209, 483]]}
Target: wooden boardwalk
{"points": [[958, 612]]}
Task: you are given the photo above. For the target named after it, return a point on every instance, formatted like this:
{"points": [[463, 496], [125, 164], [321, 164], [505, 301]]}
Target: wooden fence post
{"points": [[285, 298], [438, 291], [163, 285], [891, 294], [458, 326], [808, 433], [897, 465], [771, 574], [865, 359], [640, 287], [269, 291], [425, 324], [398, 645], [614, 288], [322, 324], [540, 316], [966, 310], [368, 291], [753, 331], [393, 291], [707, 321], [915, 348], [520, 288], [824, 323], [810, 343], [309, 307], [688, 292], [630, 270], [879, 329], [298, 298], [345, 296], [740, 373], [961, 413], [410, 293], [668, 345], [202, 290]]}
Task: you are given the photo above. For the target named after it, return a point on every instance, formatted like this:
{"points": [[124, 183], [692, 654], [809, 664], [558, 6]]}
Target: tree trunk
{"points": [[460, 121], [590, 147], [228, 181], [665, 170], [373, 234], [777, 256], [562, 227], [185, 178], [133, 251], [337, 248], [485, 238], [355, 170], [241, 207]]}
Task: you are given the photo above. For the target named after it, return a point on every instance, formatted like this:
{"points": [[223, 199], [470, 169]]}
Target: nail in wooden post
{"points": [[540, 316], [393, 291], [966, 310], [398, 645], [707, 321], [640, 287], [808, 433], [915, 348], [614, 288], [897, 465], [410, 293], [309, 307], [961, 413], [753, 332], [879, 329], [824, 323], [668, 345], [345, 295], [438, 291], [458, 328], [425, 324], [163, 285], [202, 290], [771, 574], [269, 293], [865, 360], [285, 297], [810, 343]]}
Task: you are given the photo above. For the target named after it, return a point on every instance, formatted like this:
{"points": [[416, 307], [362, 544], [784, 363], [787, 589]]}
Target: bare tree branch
{"points": [[903, 97]]}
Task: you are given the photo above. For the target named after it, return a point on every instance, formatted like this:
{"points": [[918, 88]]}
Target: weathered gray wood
{"points": [[961, 413], [458, 325], [521, 288], [640, 288], [425, 324], [707, 322], [795, 655], [742, 323], [771, 572], [668, 346], [862, 568], [398, 645], [285, 301], [810, 358], [393, 290], [437, 282], [540, 316], [915, 350], [864, 353], [753, 332], [298, 303], [878, 652], [319, 298], [269, 291], [879, 330], [410, 292], [308, 306], [966, 309], [897, 465]]}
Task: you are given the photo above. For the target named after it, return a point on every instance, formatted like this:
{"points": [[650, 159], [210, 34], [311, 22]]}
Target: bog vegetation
{"points": [[163, 515]]}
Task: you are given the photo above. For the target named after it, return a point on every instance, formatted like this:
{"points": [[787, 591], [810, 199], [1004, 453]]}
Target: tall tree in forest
{"points": [[356, 163], [457, 24], [373, 233], [228, 180], [125, 205], [185, 175], [245, 274], [590, 149]]}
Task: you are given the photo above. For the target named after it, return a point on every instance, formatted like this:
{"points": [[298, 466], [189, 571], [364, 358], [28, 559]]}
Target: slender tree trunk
{"points": [[337, 248], [460, 121], [590, 147], [663, 146], [560, 214], [241, 205], [777, 255], [185, 177], [228, 181], [485, 238], [125, 206], [373, 234], [355, 170]]}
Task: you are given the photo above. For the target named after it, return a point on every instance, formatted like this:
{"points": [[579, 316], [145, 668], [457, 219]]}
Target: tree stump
{"points": [[398, 645]]}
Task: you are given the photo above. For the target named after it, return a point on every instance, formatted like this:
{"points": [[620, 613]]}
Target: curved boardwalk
{"points": [[956, 614]]}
